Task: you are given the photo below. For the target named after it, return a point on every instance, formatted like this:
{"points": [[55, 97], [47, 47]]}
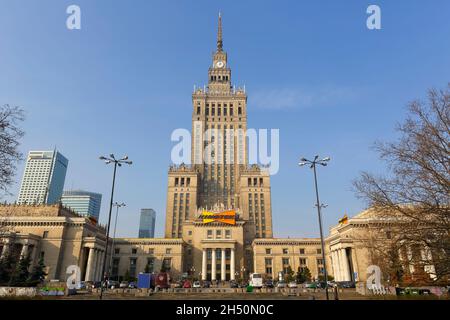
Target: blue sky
{"points": [[312, 69]]}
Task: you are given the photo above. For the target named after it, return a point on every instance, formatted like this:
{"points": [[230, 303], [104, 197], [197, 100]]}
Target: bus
{"points": [[256, 280]]}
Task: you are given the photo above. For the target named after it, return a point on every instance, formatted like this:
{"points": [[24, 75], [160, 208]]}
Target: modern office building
{"points": [[147, 223], [43, 178], [83, 202]]}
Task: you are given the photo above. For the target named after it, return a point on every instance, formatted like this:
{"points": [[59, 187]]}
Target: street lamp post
{"points": [[192, 272], [313, 164], [117, 205], [243, 273], [117, 162]]}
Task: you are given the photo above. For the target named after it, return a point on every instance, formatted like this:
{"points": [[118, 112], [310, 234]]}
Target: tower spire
{"points": [[219, 34]]}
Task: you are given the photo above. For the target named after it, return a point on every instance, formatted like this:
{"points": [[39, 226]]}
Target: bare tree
{"points": [[10, 134], [417, 186]]}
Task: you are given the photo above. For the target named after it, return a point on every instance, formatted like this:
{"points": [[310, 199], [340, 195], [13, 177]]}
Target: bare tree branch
{"points": [[417, 185], [10, 134]]}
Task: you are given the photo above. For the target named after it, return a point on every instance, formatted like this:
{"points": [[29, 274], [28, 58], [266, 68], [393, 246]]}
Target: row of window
{"points": [[286, 264], [182, 182], [180, 201], [286, 261], [286, 251], [219, 78], [212, 110], [254, 182], [149, 251], [132, 267], [256, 211], [218, 234]]}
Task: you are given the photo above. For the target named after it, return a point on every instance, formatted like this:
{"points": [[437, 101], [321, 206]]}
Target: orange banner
{"points": [[228, 217]]}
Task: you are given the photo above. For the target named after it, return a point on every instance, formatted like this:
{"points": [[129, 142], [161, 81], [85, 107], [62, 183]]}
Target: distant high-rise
{"points": [[147, 223], [43, 178], [83, 202]]}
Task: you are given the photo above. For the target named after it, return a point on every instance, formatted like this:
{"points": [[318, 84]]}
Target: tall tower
{"points": [[83, 202], [147, 223], [219, 122], [43, 178], [220, 175]]}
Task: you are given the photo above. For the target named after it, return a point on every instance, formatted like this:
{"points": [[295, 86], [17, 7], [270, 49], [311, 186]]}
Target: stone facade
{"points": [[272, 256], [358, 242], [135, 255], [55, 233]]}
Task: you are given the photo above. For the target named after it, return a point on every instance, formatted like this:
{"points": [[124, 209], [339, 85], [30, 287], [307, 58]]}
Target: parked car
{"points": [[123, 284], [132, 285], [243, 285], [332, 284], [346, 284], [206, 284], [187, 284], [281, 284], [292, 284], [96, 284], [113, 284], [82, 285], [312, 285], [268, 284], [178, 284], [196, 284], [234, 284]]}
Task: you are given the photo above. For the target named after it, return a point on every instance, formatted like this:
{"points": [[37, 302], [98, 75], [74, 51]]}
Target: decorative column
{"points": [[335, 265], [204, 265], [344, 264], [99, 265], [97, 261], [213, 264], [32, 254], [232, 266], [5, 249], [89, 267], [24, 252], [355, 264], [222, 266]]}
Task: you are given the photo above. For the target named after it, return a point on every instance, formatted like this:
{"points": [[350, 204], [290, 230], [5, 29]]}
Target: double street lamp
{"points": [[116, 162], [312, 164], [117, 205]]}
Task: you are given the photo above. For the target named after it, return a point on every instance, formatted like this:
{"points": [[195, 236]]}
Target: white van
{"points": [[256, 280]]}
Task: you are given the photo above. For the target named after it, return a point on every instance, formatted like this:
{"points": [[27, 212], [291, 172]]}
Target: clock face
{"points": [[220, 64]]}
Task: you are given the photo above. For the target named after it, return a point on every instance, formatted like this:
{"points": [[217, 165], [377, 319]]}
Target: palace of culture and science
{"points": [[219, 180]]}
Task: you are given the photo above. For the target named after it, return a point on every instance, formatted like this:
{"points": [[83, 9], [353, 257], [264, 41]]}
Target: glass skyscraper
{"points": [[83, 202], [43, 178], [147, 223]]}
